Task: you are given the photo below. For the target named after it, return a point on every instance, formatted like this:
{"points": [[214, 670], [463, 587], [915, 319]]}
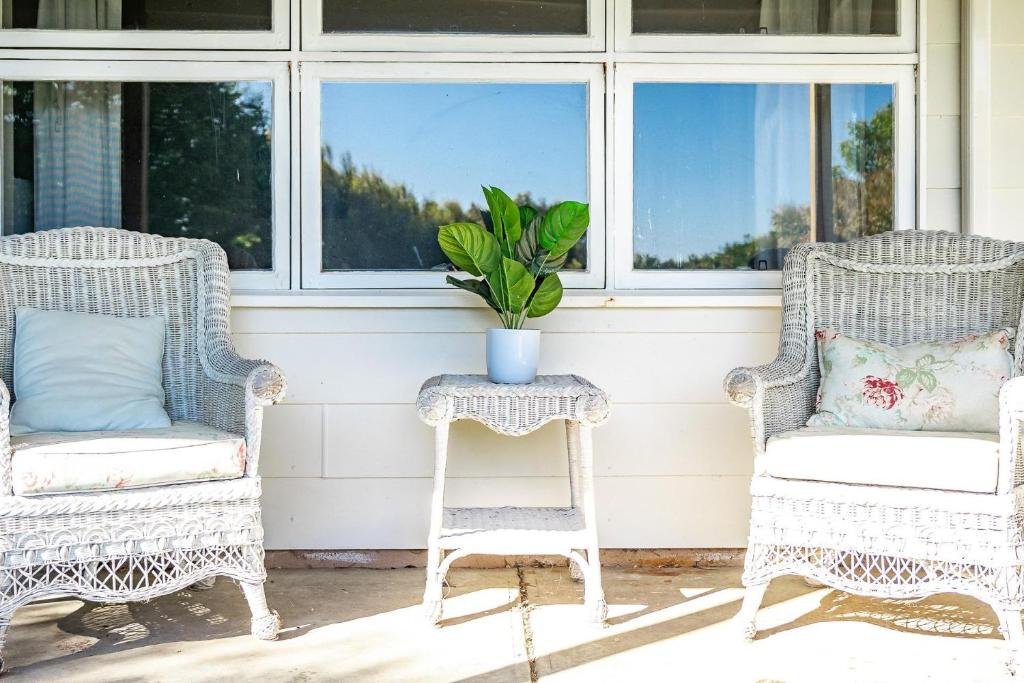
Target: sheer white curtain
{"points": [[77, 132], [849, 17]]}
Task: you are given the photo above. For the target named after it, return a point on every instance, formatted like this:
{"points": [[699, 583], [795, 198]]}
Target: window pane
{"points": [[178, 159], [722, 176], [772, 17], [150, 15], [860, 156], [401, 159], [456, 16]]}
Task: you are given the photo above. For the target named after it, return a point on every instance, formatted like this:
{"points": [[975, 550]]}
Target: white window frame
{"points": [[628, 75], [314, 38], [274, 39], [193, 71], [905, 41], [314, 75]]}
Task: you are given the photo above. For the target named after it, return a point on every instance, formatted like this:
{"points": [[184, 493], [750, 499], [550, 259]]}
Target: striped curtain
{"points": [[77, 132]]}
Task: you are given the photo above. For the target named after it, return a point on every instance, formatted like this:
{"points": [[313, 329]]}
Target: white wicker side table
{"points": [[514, 410]]}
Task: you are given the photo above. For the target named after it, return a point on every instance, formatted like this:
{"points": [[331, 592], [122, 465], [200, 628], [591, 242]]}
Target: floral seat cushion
{"points": [[938, 386], [68, 462], [952, 461]]}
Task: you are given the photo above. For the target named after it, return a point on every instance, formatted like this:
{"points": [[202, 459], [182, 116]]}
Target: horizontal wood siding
{"points": [[347, 464]]}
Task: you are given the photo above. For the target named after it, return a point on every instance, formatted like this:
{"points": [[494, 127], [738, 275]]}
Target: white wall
{"points": [[942, 120], [348, 465], [1007, 129]]}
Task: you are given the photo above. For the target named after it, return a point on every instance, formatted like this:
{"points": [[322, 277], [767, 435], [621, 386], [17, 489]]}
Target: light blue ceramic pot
{"points": [[512, 355]]}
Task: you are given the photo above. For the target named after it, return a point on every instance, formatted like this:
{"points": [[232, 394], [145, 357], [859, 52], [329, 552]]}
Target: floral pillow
{"points": [[938, 386]]}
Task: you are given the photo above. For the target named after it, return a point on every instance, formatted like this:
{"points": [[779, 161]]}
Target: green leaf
{"points": [[906, 377], [526, 214], [526, 247], [928, 380], [545, 264], [926, 359], [563, 226], [478, 287], [547, 297], [513, 287], [859, 360], [505, 219], [470, 247]]}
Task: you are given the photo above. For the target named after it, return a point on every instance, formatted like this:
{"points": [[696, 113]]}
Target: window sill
{"points": [[719, 298]]}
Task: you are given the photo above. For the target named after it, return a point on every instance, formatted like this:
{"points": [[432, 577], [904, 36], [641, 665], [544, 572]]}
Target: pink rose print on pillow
{"points": [[882, 393]]}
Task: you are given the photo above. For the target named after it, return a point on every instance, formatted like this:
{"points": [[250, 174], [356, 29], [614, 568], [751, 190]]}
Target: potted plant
{"points": [[517, 261]]}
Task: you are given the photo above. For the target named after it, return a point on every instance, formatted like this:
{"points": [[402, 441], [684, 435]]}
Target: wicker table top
{"points": [[512, 409]]}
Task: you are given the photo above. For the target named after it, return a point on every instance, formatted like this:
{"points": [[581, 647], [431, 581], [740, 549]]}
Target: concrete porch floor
{"points": [[509, 625]]}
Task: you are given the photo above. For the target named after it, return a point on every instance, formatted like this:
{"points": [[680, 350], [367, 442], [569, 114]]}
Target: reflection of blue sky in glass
{"points": [[257, 91], [444, 140], [712, 162]]}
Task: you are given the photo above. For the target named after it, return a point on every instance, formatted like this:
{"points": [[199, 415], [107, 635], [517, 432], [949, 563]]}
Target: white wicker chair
{"points": [[141, 543], [892, 542]]}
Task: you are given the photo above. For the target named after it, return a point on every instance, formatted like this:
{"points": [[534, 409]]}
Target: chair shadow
{"points": [[188, 615], [945, 614]]}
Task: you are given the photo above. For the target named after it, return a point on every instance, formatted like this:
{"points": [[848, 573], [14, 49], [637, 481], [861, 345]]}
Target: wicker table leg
{"points": [[432, 593], [582, 442]]}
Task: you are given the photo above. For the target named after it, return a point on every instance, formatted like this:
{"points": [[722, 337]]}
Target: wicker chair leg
{"points": [[1013, 631], [266, 623], [746, 619], [5, 623], [204, 584]]}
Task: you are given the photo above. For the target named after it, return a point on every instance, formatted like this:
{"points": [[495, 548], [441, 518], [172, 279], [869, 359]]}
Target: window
{"points": [[722, 170], [400, 156], [708, 137], [453, 25], [254, 24], [767, 25], [515, 17], [184, 158]]}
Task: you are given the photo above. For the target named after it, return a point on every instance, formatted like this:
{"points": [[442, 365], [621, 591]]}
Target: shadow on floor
{"points": [[943, 615]]}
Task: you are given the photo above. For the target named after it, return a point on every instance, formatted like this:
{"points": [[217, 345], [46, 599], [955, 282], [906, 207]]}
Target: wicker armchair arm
{"points": [[780, 396], [6, 483], [743, 384], [1011, 447], [261, 380], [234, 396]]}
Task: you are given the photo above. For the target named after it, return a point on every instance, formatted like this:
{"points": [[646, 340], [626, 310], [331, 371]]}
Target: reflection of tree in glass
{"points": [[372, 224], [209, 169], [862, 191]]}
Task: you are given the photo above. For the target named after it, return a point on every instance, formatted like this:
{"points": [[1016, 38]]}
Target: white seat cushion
{"points": [[954, 461], [66, 462]]}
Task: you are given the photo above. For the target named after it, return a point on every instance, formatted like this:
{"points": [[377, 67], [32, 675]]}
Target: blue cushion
{"points": [[80, 372]]}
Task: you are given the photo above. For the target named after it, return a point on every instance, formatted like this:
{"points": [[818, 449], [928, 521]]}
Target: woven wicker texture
{"points": [[895, 288], [140, 544], [512, 409], [515, 410]]}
